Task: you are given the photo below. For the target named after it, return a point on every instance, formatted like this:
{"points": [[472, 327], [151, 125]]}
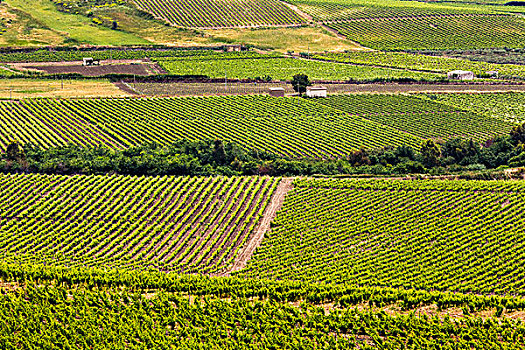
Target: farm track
{"points": [[255, 241]]}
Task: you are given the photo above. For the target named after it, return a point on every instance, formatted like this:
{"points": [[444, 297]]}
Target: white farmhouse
{"points": [[461, 75], [316, 91]]}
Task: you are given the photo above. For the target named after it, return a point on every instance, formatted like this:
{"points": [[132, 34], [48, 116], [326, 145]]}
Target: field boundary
{"points": [[269, 214]]}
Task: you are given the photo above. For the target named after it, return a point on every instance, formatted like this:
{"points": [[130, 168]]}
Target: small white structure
{"points": [[276, 91], [316, 91], [89, 61], [461, 75], [493, 74]]}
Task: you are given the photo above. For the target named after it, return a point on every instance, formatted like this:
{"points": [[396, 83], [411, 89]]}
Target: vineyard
{"points": [[286, 126], [175, 223], [403, 60], [422, 117], [221, 13], [430, 235], [285, 68], [434, 32], [292, 127], [508, 107], [49, 55], [331, 10]]}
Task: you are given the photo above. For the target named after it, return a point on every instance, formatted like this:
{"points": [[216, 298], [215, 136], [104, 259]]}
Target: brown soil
{"points": [[255, 241], [106, 67]]}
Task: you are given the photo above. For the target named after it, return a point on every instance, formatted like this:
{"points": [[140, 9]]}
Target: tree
{"points": [[15, 152], [518, 133], [300, 82], [430, 153], [114, 25]]}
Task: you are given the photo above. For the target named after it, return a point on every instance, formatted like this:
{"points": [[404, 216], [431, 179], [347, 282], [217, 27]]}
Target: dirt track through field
{"points": [[255, 241]]}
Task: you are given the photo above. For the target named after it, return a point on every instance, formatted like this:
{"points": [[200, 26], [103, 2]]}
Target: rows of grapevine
{"points": [[49, 55], [432, 235], [57, 317], [507, 107], [221, 13], [47, 123], [438, 64], [329, 10], [175, 223], [421, 117], [454, 32], [285, 68], [286, 126]]}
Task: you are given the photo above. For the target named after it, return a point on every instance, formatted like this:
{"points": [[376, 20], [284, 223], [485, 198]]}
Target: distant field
{"points": [[421, 117], [24, 88], [286, 68], [286, 126], [293, 127], [452, 32], [431, 235], [508, 107], [421, 62], [221, 13], [330, 10], [178, 223]]}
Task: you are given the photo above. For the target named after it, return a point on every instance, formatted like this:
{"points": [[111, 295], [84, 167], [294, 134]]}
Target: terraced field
{"points": [[431, 235], [175, 223], [221, 13]]}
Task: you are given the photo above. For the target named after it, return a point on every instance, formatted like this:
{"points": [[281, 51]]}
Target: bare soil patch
{"points": [[255, 241], [129, 67]]}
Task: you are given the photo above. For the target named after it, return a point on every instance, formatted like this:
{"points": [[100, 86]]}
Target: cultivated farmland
{"points": [[221, 13], [413, 234], [435, 32], [175, 223]]}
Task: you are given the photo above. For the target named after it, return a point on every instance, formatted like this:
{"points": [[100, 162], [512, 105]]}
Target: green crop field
{"points": [[292, 127], [221, 13], [413, 234], [286, 126], [286, 68], [330, 10], [435, 32], [119, 221], [403, 60], [508, 107], [422, 117]]}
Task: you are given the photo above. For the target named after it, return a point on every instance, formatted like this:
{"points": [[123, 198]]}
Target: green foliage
{"points": [[423, 234], [283, 68], [300, 82], [430, 153], [186, 224], [436, 32], [222, 13]]}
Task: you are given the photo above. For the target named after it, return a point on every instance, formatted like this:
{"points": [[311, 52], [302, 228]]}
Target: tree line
{"points": [[218, 157]]}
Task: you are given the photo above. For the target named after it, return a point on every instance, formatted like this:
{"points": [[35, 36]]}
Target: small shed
{"points": [[234, 48], [89, 61], [493, 74], [276, 91], [461, 75], [316, 91]]}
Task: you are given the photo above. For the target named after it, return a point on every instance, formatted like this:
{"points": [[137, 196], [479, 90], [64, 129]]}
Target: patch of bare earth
{"points": [[106, 67], [269, 214]]}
